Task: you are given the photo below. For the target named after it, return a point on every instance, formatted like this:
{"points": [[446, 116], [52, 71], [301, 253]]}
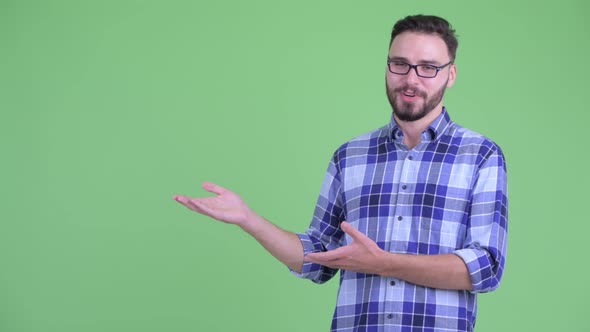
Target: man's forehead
{"points": [[418, 46]]}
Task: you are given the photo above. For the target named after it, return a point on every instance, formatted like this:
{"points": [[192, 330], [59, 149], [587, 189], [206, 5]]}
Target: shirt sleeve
{"points": [[484, 250], [324, 232]]}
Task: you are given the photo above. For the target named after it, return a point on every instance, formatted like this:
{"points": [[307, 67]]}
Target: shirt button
{"points": [[390, 316], [400, 218], [392, 283], [404, 187], [410, 157]]}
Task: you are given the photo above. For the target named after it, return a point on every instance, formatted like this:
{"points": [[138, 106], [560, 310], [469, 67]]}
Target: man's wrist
{"points": [[387, 266], [251, 222]]}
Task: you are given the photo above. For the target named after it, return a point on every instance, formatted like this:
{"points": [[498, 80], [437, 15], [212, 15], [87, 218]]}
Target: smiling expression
{"points": [[413, 97]]}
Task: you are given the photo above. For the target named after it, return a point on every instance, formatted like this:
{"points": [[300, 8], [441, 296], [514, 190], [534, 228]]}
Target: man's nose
{"points": [[412, 76]]}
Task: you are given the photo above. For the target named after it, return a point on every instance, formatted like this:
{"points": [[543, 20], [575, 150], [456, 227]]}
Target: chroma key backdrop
{"points": [[109, 108]]}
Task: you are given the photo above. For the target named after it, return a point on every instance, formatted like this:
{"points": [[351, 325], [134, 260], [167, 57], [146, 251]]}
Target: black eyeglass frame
{"points": [[415, 67]]}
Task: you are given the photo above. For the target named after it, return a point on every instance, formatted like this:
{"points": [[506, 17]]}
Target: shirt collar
{"points": [[434, 130]]}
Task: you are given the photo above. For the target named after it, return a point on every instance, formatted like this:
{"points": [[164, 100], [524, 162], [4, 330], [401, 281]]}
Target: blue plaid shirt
{"points": [[446, 195]]}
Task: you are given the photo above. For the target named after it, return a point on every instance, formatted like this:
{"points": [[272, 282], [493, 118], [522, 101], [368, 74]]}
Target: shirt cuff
{"points": [[309, 270], [480, 265]]}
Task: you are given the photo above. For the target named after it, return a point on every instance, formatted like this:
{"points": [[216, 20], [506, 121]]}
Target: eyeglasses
{"points": [[402, 68]]}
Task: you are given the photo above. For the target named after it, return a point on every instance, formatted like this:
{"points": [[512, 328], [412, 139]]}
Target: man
{"points": [[413, 214]]}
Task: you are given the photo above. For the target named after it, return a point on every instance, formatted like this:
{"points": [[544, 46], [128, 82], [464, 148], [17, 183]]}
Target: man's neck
{"points": [[413, 129]]}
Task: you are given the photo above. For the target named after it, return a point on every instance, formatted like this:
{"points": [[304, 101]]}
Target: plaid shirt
{"points": [[446, 195]]}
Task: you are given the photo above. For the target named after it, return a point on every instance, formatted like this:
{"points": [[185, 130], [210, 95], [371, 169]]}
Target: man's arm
{"points": [[484, 248], [446, 271], [229, 207]]}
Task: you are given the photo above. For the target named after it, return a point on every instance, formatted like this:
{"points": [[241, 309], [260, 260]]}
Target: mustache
{"points": [[406, 87]]}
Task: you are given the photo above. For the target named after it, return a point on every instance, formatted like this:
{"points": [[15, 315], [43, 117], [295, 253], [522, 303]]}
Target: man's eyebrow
{"points": [[421, 62], [397, 58], [429, 62]]}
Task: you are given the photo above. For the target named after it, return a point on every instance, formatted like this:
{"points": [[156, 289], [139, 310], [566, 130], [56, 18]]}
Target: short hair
{"points": [[428, 24]]}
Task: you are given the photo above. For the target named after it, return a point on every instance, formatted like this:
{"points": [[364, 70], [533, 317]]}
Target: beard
{"points": [[410, 111]]}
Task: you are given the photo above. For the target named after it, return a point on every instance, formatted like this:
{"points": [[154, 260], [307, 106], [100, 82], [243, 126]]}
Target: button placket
{"points": [[405, 176]]}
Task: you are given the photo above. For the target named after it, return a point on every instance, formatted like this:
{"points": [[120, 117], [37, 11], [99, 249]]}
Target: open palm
{"points": [[226, 206]]}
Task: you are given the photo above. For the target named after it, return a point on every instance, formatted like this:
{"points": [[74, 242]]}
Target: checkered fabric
{"points": [[446, 195]]}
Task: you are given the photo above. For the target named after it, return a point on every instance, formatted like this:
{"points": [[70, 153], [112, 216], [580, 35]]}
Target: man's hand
{"points": [[445, 271], [227, 206], [362, 255]]}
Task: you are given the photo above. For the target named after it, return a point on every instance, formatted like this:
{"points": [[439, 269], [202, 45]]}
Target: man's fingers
{"points": [[212, 187], [184, 201], [335, 264], [181, 199], [317, 257], [189, 203], [327, 256], [200, 208]]}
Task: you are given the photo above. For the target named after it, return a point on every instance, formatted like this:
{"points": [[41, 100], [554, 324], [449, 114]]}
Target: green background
{"points": [[109, 108]]}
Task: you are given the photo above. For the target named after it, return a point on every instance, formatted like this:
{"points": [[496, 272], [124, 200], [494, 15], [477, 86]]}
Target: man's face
{"points": [[413, 97]]}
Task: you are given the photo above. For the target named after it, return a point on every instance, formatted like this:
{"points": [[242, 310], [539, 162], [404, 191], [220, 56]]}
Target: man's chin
{"points": [[409, 115], [406, 118]]}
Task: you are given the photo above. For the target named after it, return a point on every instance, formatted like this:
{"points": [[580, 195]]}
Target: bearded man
{"points": [[413, 214]]}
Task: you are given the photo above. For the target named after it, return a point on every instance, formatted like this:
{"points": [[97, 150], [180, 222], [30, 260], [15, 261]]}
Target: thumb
{"points": [[353, 232], [212, 187]]}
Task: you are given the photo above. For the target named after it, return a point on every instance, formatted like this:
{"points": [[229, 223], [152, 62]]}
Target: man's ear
{"points": [[452, 75]]}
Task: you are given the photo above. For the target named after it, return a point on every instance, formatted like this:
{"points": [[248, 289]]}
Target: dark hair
{"points": [[429, 25]]}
